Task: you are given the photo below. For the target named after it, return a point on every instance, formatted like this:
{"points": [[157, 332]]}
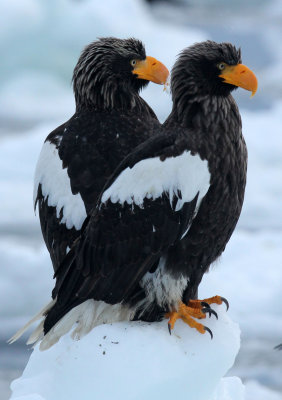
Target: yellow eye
{"points": [[221, 66], [133, 63]]}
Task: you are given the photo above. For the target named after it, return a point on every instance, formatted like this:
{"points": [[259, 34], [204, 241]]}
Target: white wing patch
{"points": [[150, 178], [55, 184]]}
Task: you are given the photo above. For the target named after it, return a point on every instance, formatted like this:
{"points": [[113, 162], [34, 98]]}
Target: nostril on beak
{"points": [[242, 72], [154, 63]]}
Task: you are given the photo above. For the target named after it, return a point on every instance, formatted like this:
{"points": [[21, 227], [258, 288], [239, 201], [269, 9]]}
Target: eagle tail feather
{"points": [[38, 316]]}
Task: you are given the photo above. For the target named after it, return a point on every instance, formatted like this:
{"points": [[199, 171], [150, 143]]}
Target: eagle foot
{"points": [[206, 302], [187, 314]]}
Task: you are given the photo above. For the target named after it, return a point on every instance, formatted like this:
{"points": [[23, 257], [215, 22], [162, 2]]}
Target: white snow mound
{"points": [[137, 361]]}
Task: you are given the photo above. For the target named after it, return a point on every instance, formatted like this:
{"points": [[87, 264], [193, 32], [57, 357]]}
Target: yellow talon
{"points": [[194, 309]]}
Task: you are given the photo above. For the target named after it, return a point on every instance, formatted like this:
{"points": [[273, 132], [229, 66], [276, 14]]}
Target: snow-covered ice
{"points": [[137, 361]]}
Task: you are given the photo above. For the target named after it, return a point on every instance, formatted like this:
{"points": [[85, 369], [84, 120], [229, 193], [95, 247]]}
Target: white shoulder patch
{"points": [[150, 178], [55, 184]]}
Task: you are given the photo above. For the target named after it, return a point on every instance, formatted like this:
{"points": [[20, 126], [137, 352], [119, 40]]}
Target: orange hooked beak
{"points": [[151, 69], [240, 75]]}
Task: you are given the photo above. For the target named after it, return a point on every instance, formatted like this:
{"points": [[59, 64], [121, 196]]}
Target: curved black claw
{"points": [[208, 330], [205, 305], [278, 347], [223, 299], [169, 328], [210, 311]]}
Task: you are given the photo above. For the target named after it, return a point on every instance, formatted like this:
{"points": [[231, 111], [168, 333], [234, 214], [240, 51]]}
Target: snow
{"points": [[141, 360], [229, 388]]}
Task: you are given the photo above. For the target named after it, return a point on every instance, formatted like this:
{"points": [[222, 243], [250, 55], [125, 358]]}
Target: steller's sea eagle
{"points": [[79, 156]]}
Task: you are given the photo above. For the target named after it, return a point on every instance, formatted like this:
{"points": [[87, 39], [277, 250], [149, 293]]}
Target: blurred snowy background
{"points": [[40, 42]]}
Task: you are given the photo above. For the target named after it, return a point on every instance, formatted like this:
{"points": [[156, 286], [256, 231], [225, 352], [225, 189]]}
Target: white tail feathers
{"points": [[37, 334], [86, 316], [38, 316]]}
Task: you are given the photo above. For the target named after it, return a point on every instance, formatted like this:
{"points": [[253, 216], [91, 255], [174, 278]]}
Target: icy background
{"points": [[40, 42]]}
